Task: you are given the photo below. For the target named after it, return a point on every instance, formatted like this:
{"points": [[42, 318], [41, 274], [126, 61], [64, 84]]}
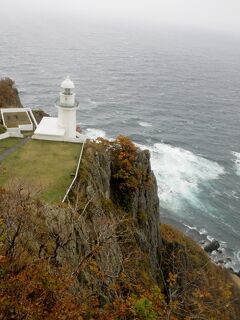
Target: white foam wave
{"points": [[210, 238], [93, 133], [90, 104], [22, 91], [203, 231], [93, 102], [144, 124], [237, 162], [190, 227], [180, 174]]}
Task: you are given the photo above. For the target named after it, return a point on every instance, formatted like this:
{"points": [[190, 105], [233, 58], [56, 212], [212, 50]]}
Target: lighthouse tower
{"points": [[63, 127], [67, 106]]}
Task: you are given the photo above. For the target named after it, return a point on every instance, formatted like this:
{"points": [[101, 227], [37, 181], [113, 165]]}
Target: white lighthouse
{"points": [[62, 128], [67, 106]]}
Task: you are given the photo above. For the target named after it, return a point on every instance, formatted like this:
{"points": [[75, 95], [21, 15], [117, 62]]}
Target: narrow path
{"points": [[12, 149]]}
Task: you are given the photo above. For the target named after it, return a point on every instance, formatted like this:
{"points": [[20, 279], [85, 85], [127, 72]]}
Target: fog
{"points": [[216, 15]]}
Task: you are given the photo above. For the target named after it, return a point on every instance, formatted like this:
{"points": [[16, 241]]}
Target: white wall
{"points": [[4, 135], [70, 121], [26, 127], [58, 138], [67, 120], [23, 127]]}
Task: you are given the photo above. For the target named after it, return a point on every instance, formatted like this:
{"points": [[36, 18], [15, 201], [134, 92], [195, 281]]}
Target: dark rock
{"points": [[228, 259], [214, 245], [39, 114], [237, 273]]}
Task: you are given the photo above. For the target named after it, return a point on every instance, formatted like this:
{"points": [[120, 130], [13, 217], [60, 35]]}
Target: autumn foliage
{"points": [[8, 94], [125, 174], [124, 153]]}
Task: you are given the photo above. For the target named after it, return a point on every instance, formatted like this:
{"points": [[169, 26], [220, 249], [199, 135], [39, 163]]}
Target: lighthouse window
{"points": [[67, 91]]}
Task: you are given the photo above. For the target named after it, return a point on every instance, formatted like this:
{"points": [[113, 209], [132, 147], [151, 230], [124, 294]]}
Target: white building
{"points": [[62, 128], [17, 120]]}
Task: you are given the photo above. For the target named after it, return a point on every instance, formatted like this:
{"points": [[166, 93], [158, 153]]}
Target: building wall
{"points": [[26, 127], [8, 134], [70, 124], [61, 117], [67, 120], [4, 135], [58, 138]]}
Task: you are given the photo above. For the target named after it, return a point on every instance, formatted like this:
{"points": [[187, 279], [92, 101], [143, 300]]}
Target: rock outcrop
{"points": [[102, 230], [9, 97], [211, 246], [143, 206]]}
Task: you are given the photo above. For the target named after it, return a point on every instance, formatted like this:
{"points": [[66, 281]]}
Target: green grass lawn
{"points": [[45, 165], [8, 143]]}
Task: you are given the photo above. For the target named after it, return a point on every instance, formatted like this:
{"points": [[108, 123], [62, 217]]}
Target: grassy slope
{"points": [[45, 165], [8, 143]]}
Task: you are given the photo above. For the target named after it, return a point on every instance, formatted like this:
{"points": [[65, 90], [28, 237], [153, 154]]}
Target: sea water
{"points": [[175, 93]]}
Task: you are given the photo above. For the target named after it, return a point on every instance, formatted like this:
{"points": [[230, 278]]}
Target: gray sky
{"points": [[222, 15]]}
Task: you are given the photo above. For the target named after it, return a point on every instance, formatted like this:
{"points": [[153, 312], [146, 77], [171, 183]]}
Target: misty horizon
{"points": [[216, 16]]}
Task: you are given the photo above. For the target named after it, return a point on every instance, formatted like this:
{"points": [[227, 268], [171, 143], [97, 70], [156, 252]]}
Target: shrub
{"points": [[192, 283], [143, 308], [2, 129], [8, 96], [125, 174]]}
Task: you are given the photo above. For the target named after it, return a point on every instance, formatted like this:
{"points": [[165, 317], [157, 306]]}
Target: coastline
{"points": [[219, 256]]}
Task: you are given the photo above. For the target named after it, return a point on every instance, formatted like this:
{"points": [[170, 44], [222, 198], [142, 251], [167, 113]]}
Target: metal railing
{"points": [[76, 174], [57, 103]]}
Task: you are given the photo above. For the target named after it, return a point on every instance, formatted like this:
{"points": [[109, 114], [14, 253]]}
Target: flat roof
{"points": [[49, 126]]}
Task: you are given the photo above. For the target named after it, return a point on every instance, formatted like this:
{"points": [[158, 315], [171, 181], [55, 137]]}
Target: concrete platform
{"points": [[49, 129], [49, 126]]}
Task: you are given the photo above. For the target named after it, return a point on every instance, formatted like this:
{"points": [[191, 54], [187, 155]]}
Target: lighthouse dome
{"points": [[67, 84]]}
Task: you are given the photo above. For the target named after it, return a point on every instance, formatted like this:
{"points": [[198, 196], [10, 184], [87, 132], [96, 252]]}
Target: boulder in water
{"points": [[213, 245]]}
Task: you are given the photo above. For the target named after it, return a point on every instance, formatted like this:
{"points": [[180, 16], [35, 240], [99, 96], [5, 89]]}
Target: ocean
{"points": [[174, 92]]}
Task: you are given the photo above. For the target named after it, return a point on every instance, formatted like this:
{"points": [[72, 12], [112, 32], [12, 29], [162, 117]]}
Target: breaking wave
{"points": [[237, 162], [180, 175], [93, 133], [144, 124], [92, 102]]}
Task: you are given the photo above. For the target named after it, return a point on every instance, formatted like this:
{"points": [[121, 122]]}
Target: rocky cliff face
{"points": [[101, 232], [143, 202]]}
